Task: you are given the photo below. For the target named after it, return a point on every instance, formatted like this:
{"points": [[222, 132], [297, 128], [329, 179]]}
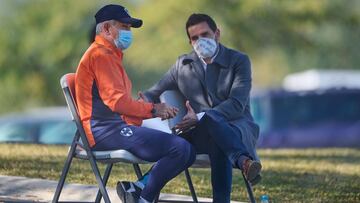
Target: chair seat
{"points": [[112, 156], [202, 160]]}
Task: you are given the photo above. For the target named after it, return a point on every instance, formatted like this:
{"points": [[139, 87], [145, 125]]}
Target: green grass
{"points": [[303, 175]]}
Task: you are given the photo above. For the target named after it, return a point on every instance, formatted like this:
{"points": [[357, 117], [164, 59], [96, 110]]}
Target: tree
{"points": [[41, 40]]}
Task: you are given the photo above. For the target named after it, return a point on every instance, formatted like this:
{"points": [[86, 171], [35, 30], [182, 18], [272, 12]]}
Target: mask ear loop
{"points": [[217, 35]]}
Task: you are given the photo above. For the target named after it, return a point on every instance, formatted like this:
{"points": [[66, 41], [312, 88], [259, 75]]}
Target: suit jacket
{"points": [[224, 87]]}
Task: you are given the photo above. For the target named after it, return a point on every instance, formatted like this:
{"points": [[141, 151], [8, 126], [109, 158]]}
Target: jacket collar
{"points": [[104, 42], [222, 57]]}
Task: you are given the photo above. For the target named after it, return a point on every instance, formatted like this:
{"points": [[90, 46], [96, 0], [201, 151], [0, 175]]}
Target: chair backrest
{"points": [[67, 83]]}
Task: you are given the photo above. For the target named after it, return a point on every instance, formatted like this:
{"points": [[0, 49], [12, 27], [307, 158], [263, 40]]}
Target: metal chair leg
{"points": [[66, 168], [249, 189], [191, 186], [105, 179], [98, 177], [137, 171]]}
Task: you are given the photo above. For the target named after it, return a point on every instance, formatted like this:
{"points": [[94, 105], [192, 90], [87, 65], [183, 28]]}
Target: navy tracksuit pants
{"points": [[172, 154], [214, 136]]}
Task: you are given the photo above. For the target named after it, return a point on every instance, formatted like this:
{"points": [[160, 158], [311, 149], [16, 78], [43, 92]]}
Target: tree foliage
{"points": [[40, 40]]}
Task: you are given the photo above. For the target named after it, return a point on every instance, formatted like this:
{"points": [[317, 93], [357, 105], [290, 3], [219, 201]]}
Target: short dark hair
{"points": [[197, 18]]}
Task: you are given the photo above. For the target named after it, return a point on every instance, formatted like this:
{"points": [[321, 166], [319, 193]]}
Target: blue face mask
{"points": [[124, 39]]}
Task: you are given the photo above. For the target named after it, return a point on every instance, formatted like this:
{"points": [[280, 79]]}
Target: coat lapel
{"points": [[200, 73], [199, 70], [197, 67]]}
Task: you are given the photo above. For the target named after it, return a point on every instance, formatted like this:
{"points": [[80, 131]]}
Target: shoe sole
{"points": [[126, 197], [256, 180], [253, 171], [129, 198]]}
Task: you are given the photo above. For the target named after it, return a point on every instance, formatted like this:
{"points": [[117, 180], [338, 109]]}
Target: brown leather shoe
{"points": [[251, 169], [256, 180]]}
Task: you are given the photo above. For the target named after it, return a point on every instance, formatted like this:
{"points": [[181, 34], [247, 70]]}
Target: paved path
{"points": [[21, 189]]}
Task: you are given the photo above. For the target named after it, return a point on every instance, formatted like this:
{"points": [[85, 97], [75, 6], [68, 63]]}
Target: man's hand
{"points": [[164, 111], [189, 120]]}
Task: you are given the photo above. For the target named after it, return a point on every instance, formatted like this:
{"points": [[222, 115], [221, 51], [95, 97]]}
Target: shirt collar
{"points": [[102, 41]]}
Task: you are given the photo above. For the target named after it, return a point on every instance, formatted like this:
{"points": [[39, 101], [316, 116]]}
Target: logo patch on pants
{"points": [[127, 132]]}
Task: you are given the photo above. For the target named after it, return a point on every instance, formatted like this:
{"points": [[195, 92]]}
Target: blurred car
{"points": [[316, 118], [50, 125]]}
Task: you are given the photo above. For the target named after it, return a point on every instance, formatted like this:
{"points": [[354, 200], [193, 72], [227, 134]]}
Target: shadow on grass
{"points": [[80, 170]]}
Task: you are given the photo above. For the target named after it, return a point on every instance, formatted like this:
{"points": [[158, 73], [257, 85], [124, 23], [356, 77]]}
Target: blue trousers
{"points": [[172, 154], [213, 135]]}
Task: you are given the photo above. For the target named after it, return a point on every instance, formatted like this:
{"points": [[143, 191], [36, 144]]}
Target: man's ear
{"points": [[106, 28], [217, 35]]}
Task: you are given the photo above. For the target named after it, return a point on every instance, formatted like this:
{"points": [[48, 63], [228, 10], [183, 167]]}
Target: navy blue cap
{"points": [[116, 12]]}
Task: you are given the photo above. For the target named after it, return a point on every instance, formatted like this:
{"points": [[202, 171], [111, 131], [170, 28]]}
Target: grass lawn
{"points": [[289, 175]]}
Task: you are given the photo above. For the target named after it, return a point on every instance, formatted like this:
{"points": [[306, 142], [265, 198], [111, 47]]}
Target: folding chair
{"points": [[80, 148]]}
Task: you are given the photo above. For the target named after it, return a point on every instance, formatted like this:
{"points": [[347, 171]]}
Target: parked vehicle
{"points": [[322, 79], [316, 118], [43, 126]]}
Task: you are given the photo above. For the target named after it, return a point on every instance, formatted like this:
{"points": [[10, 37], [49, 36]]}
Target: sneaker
{"points": [[256, 180], [128, 192], [251, 169]]}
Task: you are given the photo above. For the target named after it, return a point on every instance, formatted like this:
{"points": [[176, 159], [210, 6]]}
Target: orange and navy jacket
{"points": [[103, 93]]}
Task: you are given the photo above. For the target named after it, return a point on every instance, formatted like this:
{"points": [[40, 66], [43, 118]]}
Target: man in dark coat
{"points": [[215, 80]]}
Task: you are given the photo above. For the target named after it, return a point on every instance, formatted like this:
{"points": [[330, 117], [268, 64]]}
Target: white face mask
{"points": [[205, 47]]}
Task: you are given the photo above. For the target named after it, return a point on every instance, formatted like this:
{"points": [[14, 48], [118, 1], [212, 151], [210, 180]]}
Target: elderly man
{"points": [[215, 80], [111, 117]]}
